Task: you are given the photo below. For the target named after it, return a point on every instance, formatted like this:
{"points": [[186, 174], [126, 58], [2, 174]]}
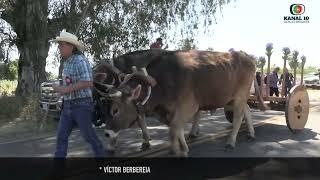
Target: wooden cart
{"points": [[295, 104]]}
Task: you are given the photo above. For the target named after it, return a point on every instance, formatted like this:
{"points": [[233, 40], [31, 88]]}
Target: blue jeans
{"points": [[77, 111]]}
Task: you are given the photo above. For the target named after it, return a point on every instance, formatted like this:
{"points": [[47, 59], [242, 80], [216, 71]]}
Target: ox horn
{"points": [[109, 69], [108, 86], [116, 94]]}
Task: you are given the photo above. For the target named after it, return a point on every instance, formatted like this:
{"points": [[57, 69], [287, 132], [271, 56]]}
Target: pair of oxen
{"points": [[174, 86]]}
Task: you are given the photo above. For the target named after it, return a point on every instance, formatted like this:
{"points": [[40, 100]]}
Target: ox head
{"points": [[126, 99], [105, 77]]}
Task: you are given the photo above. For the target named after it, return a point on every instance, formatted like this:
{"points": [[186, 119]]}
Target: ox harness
{"points": [[140, 109]]}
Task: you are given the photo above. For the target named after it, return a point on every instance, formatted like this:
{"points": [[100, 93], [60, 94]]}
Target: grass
{"points": [[22, 115], [7, 88]]}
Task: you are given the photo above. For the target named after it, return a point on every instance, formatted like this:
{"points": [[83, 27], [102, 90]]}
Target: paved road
{"points": [[129, 140], [273, 140]]}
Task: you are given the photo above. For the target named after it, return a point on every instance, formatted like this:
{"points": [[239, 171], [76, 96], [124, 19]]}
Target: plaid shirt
{"points": [[77, 68], [274, 80]]}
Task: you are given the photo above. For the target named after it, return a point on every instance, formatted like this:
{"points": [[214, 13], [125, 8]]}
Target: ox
{"points": [[106, 77], [184, 82]]}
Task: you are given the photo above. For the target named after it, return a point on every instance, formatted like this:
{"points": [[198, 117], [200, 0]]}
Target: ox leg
{"points": [[183, 144], [249, 123], [145, 135], [179, 145], [195, 130], [175, 132], [238, 115]]}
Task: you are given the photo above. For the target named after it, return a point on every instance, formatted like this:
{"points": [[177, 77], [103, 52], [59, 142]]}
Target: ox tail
{"points": [[261, 105]]}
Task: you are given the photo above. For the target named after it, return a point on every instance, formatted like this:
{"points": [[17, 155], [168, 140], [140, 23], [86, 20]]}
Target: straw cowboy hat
{"points": [[70, 38]]}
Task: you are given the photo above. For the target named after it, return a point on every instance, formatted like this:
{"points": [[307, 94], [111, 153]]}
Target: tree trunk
{"points": [[294, 75], [283, 87], [33, 44], [302, 70], [61, 68], [261, 81], [268, 79]]}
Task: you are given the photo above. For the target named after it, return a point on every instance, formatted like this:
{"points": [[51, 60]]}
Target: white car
{"points": [[50, 101]]}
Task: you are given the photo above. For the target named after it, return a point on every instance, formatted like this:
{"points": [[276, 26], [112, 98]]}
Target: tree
{"points": [[293, 63], [28, 19], [269, 48], [9, 71], [303, 59], [285, 57], [261, 63], [108, 28], [187, 44], [210, 49]]}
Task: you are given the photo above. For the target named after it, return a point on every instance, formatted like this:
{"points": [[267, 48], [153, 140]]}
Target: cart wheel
{"points": [[297, 108]]}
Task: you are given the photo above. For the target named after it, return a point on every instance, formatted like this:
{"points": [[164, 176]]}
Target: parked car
{"points": [[51, 102], [312, 81]]}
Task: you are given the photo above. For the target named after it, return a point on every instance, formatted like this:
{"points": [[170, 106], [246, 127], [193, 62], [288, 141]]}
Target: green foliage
{"points": [[9, 71], [293, 63], [10, 106], [269, 48], [303, 60], [51, 76], [308, 70], [7, 88], [23, 115], [187, 44], [210, 49], [110, 28], [261, 62], [286, 52]]}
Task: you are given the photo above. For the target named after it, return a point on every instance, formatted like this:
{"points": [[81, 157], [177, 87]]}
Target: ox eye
{"points": [[114, 111]]}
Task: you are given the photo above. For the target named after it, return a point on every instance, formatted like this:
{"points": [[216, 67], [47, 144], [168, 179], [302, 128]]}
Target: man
{"points": [[158, 44], [288, 81], [76, 91], [274, 82], [258, 77]]}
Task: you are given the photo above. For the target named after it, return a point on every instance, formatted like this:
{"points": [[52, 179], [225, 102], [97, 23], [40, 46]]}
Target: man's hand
{"points": [[60, 89], [80, 85]]}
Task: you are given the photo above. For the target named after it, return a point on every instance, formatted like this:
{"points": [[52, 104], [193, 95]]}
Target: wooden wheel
{"points": [[297, 108]]}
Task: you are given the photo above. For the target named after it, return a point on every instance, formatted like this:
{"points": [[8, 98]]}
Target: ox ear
{"points": [[100, 77], [135, 93]]}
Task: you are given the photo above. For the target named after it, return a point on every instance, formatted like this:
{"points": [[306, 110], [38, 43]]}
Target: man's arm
{"points": [[80, 85]]}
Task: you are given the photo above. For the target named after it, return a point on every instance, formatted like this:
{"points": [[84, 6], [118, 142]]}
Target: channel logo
{"points": [[297, 9], [297, 14]]}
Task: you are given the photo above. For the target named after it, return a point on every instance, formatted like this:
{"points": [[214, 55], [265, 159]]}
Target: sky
{"points": [[249, 25]]}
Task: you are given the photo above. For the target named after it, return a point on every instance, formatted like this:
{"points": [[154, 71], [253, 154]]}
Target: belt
{"points": [[78, 100]]}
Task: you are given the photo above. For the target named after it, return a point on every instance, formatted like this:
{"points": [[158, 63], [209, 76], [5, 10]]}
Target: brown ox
{"points": [[106, 77], [185, 82]]}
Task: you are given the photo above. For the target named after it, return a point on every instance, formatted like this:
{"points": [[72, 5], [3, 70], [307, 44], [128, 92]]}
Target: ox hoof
{"points": [[228, 148], [250, 138], [145, 146]]}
